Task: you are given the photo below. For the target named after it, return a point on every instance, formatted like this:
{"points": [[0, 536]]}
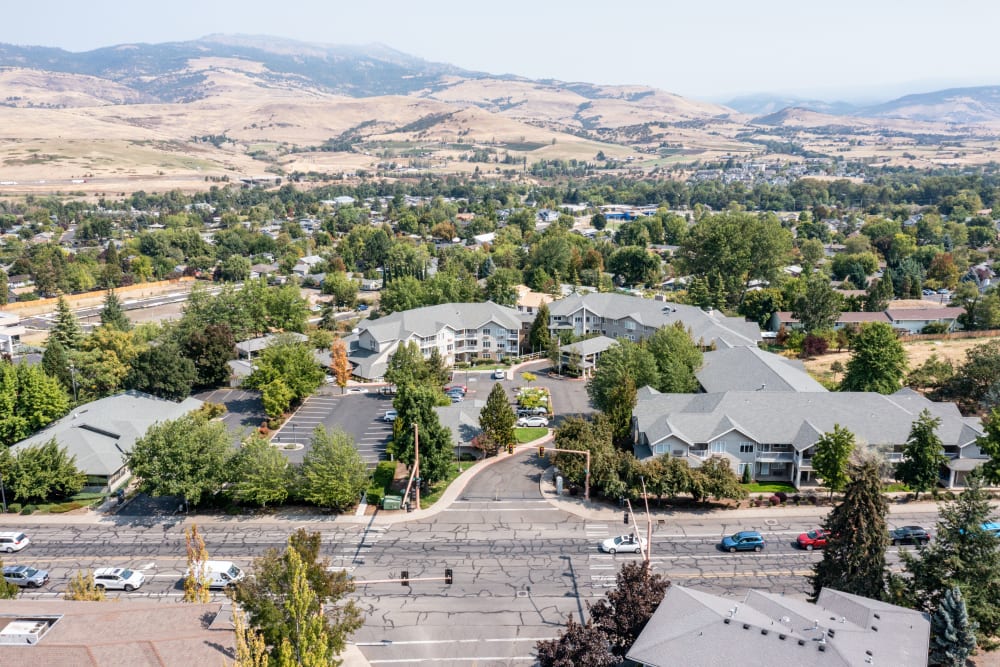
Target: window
{"points": [[765, 469], [718, 447], [629, 325], [577, 319], [486, 332], [746, 448], [742, 469]]}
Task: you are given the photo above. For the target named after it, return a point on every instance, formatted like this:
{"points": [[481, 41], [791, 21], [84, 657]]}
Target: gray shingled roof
{"points": [[100, 433], [748, 368], [707, 326], [767, 630], [429, 320], [585, 348], [875, 419]]}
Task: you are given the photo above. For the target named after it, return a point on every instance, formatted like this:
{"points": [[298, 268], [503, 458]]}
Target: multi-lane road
{"points": [[520, 564]]}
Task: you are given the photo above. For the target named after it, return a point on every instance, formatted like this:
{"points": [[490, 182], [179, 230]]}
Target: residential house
{"points": [[461, 332], [246, 349], [305, 265], [774, 433], [100, 434], [529, 301], [981, 275], [10, 332], [586, 353], [784, 318], [691, 627], [635, 318], [913, 320]]}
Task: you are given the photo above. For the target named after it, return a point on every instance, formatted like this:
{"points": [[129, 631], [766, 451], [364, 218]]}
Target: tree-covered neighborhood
{"points": [[661, 403]]}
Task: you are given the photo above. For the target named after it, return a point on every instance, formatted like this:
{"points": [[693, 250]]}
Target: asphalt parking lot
{"points": [[569, 397], [358, 414], [245, 411]]}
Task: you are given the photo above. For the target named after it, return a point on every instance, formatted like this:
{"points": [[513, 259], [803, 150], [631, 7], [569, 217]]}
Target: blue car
{"points": [[362, 306], [991, 528], [745, 540]]}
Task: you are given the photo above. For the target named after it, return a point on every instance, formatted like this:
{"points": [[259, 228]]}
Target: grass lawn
{"points": [[895, 486], [426, 500], [770, 487], [523, 435]]}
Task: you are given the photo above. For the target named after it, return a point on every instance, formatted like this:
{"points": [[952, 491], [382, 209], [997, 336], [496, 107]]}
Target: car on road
{"points": [[390, 416], [499, 374], [362, 306], [624, 544], [532, 422], [11, 542], [909, 535], [745, 540], [456, 398], [814, 539], [357, 390], [943, 290], [118, 578], [24, 576]]}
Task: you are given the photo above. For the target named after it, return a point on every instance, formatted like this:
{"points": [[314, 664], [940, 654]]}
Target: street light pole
{"points": [[3, 495]]}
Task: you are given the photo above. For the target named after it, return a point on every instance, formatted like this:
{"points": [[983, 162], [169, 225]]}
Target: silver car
{"points": [[532, 421], [24, 576]]}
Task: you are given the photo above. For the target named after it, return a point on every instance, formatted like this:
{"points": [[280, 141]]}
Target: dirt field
{"points": [[917, 352]]}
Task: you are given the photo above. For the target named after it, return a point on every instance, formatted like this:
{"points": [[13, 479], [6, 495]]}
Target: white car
{"points": [[499, 375], [11, 542], [118, 578], [532, 421], [390, 416], [357, 390], [623, 543]]}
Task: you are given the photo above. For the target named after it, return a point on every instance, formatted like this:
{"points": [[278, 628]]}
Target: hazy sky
{"points": [[871, 49]]}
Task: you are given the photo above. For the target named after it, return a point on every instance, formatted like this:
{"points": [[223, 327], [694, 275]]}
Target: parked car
{"points": [[357, 390], [745, 540], [532, 421], [24, 576], [388, 390], [991, 528], [456, 387], [456, 398], [11, 542], [943, 290], [623, 543], [362, 306], [390, 416], [909, 535], [814, 539], [529, 412], [499, 374], [118, 578]]}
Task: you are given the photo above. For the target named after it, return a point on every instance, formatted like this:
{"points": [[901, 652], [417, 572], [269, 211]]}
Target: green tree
{"points": [[715, 478], [44, 473], [923, 454], [234, 269], [538, 336], [29, 400], [250, 648], [290, 361], [962, 554], [759, 305], [953, 634], [161, 370], [264, 596], [819, 307], [621, 360], [677, 359], [406, 365], [497, 419], [55, 363], [989, 443], [621, 403], [878, 295], [66, 329], [438, 373], [333, 473], [260, 474], [634, 265], [8, 591], [276, 397], [307, 642], [854, 559], [415, 405], [343, 289], [4, 288], [185, 457], [112, 314], [211, 349], [832, 456], [878, 361]]}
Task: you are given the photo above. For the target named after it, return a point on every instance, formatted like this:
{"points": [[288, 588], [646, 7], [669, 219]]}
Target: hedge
{"points": [[374, 495], [385, 473]]}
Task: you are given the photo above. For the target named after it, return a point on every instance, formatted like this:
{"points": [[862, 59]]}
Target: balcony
{"points": [[806, 464], [700, 453], [775, 457]]}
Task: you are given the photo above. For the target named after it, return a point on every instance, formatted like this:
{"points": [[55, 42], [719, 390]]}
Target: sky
{"points": [[854, 50]]}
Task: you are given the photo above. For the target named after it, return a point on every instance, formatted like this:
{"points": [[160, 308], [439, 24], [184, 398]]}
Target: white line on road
{"points": [[455, 641]]}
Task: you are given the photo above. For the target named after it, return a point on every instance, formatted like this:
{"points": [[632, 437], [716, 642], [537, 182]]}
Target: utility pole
{"points": [[644, 549], [649, 521], [586, 471], [416, 459]]}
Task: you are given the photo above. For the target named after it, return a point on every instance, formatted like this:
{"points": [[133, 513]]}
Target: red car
{"points": [[814, 539]]}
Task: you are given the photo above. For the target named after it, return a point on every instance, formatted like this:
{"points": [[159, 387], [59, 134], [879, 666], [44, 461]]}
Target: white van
{"points": [[222, 573]]}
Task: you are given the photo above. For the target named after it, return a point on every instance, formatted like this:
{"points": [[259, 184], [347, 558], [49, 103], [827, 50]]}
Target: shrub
{"points": [[14, 508], [781, 496], [775, 500], [28, 509], [374, 495], [385, 473], [65, 507], [935, 328]]}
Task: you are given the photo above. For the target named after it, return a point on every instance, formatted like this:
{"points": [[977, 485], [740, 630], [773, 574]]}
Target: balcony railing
{"points": [[775, 457]]}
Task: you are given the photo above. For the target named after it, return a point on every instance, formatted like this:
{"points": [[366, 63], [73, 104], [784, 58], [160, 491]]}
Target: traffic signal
{"points": [[405, 577], [626, 518], [541, 450], [447, 576]]}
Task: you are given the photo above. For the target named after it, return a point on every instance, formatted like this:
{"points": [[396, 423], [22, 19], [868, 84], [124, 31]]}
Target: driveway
{"points": [[569, 397], [245, 411]]}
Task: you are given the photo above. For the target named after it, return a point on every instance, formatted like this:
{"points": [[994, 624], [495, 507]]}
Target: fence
{"points": [[954, 335]]}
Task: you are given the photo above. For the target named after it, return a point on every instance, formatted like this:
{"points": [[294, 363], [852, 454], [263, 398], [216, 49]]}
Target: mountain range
{"points": [[238, 104]]}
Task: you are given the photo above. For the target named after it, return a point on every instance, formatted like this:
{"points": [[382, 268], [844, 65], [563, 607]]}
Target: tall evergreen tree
{"points": [[539, 336], [4, 288], [621, 403], [953, 634], [854, 559], [497, 419], [437, 370], [66, 329], [964, 555], [56, 362], [923, 455], [878, 362], [113, 315]]}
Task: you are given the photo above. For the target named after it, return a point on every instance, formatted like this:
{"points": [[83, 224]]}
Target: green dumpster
{"points": [[392, 502]]}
